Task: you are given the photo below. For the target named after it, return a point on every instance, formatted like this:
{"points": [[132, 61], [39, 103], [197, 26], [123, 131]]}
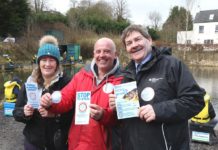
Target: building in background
{"points": [[205, 29]]}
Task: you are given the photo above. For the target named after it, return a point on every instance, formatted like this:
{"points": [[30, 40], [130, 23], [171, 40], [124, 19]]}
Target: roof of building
{"points": [[206, 16]]}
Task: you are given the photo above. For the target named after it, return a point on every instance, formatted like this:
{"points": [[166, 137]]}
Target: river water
{"points": [[207, 77]]}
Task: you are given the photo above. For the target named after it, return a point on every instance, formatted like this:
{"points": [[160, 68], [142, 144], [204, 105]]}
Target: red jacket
{"points": [[95, 135]]}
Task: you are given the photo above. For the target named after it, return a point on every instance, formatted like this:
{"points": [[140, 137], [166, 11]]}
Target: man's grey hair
{"points": [[131, 28]]}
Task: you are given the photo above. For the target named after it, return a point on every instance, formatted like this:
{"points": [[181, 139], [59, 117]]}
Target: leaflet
{"points": [[33, 94], [82, 107], [127, 101]]}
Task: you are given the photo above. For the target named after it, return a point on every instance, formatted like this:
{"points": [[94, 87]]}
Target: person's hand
{"points": [[96, 112], [28, 110], [45, 113], [147, 113], [112, 104], [46, 100]]}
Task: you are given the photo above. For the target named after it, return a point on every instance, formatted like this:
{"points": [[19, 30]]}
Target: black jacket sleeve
{"points": [[188, 100], [212, 113], [18, 111]]}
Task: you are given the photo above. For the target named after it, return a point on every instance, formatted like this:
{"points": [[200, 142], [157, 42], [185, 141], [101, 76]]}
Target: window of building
{"points": [[201, 29], [211, 16], [216, 29], [188, 41], [208, 41]]}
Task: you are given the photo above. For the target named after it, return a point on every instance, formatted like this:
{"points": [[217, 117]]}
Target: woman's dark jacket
{"points": [[40, 131], [177, 98]]}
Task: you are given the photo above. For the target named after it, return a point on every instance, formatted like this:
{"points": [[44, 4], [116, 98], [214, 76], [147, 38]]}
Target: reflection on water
{"points": [[208, 79], [205, 76]]}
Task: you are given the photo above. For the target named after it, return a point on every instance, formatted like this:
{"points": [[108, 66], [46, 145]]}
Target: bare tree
{"points": [[85, 3], [155, 19], [120, 9], [39, 5], [189, 5], [74, 3]]}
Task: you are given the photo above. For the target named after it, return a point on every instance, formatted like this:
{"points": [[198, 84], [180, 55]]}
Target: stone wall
{"points": [[201, 55]]}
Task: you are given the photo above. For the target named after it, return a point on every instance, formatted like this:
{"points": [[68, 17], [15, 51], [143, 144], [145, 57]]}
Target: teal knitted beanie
{"points": [[48, 47]]}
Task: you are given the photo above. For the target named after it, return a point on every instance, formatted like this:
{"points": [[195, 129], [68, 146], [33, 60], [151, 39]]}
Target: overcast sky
{"points": [[139, 9]]}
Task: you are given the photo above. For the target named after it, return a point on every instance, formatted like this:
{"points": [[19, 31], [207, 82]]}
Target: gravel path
{"points": [[11, 137]]}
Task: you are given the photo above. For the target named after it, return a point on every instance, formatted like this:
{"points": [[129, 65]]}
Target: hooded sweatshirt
{"points": [[97, 134]]}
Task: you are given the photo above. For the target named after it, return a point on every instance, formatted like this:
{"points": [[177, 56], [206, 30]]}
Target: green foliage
{"points": [[177, 18], [49, 17], [13, 16], [153, 33], [103, 25], [177, 21], [98, 18]]}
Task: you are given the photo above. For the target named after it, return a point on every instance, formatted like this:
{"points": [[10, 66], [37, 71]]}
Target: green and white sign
{"points": [[200, 136]]}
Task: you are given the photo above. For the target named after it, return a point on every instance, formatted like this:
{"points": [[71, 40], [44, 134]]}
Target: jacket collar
{"points": [[94, 68], [56, 77]]}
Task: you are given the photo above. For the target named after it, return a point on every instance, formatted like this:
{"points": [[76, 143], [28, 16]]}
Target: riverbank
{"points": [[196, 57], [11, 136]]}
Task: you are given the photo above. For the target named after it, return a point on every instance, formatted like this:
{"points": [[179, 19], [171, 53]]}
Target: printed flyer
{"points": [[82, 107], [127, 101], [33, 94]]}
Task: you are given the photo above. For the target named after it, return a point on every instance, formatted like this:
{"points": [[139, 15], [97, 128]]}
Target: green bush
{"points": [[49, 17]]}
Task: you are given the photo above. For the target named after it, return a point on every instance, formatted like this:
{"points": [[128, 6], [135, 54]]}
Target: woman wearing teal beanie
{"points": [[48, 46], [44, 130]]}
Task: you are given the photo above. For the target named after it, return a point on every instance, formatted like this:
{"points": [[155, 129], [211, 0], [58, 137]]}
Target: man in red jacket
{"points": [[99, 77]]}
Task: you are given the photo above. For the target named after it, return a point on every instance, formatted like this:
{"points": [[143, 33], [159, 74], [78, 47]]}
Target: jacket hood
{"points": [[94, 68], [166, 50]]}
